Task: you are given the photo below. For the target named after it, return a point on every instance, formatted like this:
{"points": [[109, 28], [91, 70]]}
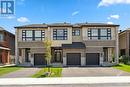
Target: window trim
{"points": [[33, 38], [74, 32], [108, 36], [62, 37]]}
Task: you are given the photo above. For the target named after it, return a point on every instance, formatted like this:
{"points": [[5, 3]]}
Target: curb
{"points": [[64, 80]]}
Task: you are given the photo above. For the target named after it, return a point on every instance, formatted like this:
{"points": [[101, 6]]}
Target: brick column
{"points": [[101, 56], [83, 61], [117, 48], [3, 57], [16, 48], [8, 57]]}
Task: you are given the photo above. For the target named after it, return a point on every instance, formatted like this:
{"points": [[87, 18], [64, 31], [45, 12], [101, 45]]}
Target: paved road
{"points": [[92, 71], [74, 85], [22, 73]]}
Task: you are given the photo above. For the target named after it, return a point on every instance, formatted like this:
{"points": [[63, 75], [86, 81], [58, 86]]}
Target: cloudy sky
{"points": [[72, 11]]}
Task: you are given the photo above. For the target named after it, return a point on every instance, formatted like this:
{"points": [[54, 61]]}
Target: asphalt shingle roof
{"points": [[64, 24]]}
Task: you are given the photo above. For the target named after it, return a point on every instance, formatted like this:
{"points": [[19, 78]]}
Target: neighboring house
{"points": [[82, 44], [7, 47], [124, 42]]}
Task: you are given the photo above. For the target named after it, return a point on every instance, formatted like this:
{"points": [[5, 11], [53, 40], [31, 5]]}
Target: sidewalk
{"points": [[64, 80]]}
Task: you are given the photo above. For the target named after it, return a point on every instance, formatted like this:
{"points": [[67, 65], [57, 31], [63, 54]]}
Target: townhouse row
{"points": [[81, 44]]}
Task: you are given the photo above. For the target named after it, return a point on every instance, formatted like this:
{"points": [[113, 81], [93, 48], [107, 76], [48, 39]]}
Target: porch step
{"points": [[25, 64], [57, 64], [108, 64]]}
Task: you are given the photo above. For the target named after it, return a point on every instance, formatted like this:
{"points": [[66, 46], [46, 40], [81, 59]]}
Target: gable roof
{"points": [[2, 29]]}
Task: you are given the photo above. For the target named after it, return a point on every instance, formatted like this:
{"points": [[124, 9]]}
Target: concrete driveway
{"points": [[22, 73], [92, 71]]}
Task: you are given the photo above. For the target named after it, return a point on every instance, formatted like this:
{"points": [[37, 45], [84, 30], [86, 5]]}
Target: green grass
{"points": [[55, 72], [5, 70], [123, 67]]}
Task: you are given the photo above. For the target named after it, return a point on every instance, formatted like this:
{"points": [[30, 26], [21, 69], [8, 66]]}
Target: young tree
{"points": [[47, 44]]}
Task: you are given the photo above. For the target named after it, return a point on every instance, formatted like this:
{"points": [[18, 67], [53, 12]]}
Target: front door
{"points": [[27, 51], [105, 55], [57, 55]]}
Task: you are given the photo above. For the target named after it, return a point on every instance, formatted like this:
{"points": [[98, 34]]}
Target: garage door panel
{"points": [[73, 59], [92, 58], [39, 59]]}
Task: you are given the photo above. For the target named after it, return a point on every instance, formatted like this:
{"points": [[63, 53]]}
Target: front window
{"points": [[33, 35], [39, 35], [1, 37], [99, 34], [76, 32], [60, 34], [28, 35]]}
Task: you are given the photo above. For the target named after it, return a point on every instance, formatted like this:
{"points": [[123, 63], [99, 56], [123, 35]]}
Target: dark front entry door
{"points": [[57, 56], [73, 58], [39, 59], [27, 51], [92, 58]]}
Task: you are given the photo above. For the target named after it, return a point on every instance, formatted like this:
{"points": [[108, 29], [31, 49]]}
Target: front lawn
{"points": [[5, 70], [123, 67], [55, 72]]}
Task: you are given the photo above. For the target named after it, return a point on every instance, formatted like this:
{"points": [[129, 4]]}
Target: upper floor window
{"points": [[99, 34], [59, 34], [76, 32], [1, 37], [39, 35], [33, 35]]}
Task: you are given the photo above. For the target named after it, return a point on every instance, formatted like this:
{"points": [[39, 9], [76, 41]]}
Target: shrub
{"points": [[120, 59], [125, 59]]}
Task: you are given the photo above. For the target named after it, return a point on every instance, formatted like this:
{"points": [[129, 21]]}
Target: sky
{"points": [[72, 11]]}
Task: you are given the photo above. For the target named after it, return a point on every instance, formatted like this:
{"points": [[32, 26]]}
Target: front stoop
{"points": [[25, 64], [107, 64], [57, 65]]}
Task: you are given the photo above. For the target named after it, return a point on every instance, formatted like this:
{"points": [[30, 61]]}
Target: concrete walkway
{"points": [[22, 73], [65, 80], [92, 71]]}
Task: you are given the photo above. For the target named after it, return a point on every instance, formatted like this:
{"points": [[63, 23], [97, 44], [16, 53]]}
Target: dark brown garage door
{"points": [[39, 59], [73, 58], [92, 58]]}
